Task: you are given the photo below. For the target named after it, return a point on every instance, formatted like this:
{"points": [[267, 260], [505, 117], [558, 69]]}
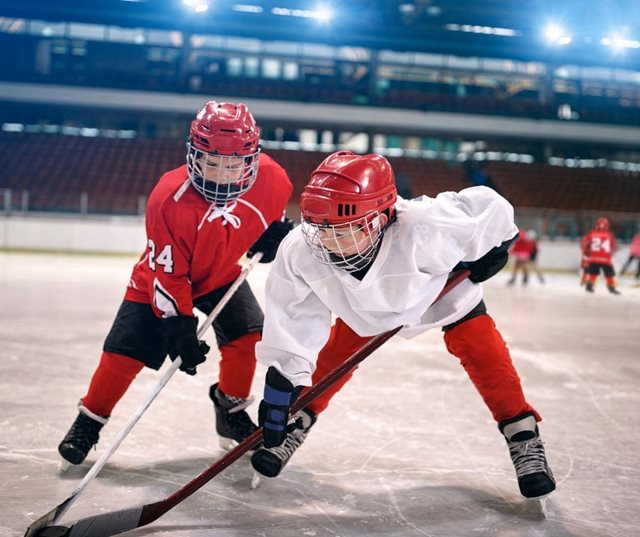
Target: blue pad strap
{"points": [[276, 397]]}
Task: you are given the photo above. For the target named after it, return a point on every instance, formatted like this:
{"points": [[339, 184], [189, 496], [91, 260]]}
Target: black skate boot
{"points": [[270, 461], [233, 424], [613, 290], [527, 454], [588, 287], [82, 436]]}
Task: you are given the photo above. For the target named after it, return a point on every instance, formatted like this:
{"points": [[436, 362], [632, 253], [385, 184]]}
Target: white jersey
{"points": [[428, 239]]}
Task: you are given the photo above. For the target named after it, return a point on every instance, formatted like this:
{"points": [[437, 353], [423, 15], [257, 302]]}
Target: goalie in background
{"points": [[377, 261], [201, 218]]}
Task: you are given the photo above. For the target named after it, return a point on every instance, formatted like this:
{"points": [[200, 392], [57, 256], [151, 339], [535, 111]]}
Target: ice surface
{"points": [[406, 449]]}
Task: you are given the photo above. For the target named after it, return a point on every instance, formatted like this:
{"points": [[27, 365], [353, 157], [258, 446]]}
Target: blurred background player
{"points": [[598, 247], [532, 237], [634, 253], [522, 250], [200, 220], [377, 262], [584, 265]]}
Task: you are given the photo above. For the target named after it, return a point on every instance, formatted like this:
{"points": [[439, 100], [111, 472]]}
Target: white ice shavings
{"points": [[564, 365], [398, 511]]}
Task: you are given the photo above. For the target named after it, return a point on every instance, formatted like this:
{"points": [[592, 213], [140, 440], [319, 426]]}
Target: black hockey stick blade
{"points": [[116, 522], [45, 520]]}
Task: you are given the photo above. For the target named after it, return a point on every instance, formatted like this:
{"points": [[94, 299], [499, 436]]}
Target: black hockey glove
{"points": [[273, 413], [180, 339], [270, 240], [489, 264]]}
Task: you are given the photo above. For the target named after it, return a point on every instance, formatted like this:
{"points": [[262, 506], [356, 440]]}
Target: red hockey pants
{"points": [[477, 343], [116, 372]]}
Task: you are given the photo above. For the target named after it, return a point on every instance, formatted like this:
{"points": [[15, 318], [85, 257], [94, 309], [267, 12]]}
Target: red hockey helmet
{"points": [[346, 187], [222, 151], [341, 207], [602, 223]]}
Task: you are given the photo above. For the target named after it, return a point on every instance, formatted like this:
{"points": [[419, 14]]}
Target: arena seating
{"points": [[116, 173], [539, 185]]}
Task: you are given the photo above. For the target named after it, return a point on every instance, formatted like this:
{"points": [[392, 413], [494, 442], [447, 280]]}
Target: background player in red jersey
{"points": [[201, 218], [597, 247], [522, 250], [634, 253], [532, 237]]}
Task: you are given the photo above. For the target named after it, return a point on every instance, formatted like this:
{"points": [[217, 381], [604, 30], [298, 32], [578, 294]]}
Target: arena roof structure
{"points": [[598, 32]]}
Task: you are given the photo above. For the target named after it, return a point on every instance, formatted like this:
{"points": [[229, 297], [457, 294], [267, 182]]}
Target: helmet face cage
{"points": [[349, 246], [236, 173]]}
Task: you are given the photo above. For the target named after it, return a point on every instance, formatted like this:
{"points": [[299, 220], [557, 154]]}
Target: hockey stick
{"points": [[52, 516], [116, 522]]}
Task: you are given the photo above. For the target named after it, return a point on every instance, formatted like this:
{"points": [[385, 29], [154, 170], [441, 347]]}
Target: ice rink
{"points": [[406, 449]]}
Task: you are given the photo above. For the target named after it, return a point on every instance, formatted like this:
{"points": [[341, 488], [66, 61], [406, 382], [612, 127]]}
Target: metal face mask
{"points": [[349, 246], [221, 178]]}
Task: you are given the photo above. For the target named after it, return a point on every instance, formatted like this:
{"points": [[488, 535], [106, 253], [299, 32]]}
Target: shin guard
{"points": [[342, 343], [110, 382], [238, 364]]}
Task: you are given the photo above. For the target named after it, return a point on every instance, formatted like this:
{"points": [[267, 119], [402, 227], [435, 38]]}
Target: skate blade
{"points": [[64, 465], [538, 506], [227, 443], [256, 480]]}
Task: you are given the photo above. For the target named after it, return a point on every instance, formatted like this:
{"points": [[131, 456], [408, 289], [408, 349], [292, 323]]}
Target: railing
{"points": [[550, 223], [83, 203]]}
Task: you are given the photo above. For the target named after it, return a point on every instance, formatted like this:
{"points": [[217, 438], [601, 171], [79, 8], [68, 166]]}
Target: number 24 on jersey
{"points": [[164, 258]]}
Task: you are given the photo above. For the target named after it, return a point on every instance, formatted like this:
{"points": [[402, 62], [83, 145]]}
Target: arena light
{"points": [[321, 13], [247, 8], [557, 35], [619, 43], [487, 30], [197, 6]]}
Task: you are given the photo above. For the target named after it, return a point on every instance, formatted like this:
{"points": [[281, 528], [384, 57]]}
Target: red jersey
{"points": [[598, 246], [193, 247], [523, 248]]}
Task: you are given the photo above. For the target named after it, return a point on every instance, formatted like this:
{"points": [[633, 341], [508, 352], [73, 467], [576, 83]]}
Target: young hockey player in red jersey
{"points": [[377, 261], [521, 252], [525, 251], [532, 237], [597, 247], [201, 218], [634, 253]]}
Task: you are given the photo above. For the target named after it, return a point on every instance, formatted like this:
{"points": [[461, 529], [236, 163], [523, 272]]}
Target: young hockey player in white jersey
{"points": [[377, 262]]}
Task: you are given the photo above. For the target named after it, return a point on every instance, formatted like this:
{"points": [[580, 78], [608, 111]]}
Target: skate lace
{"points": [[292, 442], [83, 434], [528, 457]]}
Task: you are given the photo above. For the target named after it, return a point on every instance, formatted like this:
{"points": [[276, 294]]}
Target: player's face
{"points": [[349, 240], [220, 169]]}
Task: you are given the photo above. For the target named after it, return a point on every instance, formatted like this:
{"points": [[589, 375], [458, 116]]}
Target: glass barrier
{"points": [[549, 223]]}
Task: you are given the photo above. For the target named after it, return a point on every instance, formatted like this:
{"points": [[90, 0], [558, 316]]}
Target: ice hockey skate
{"points": [[535, 479], [271, 461], [81, 437], [233, 424]]}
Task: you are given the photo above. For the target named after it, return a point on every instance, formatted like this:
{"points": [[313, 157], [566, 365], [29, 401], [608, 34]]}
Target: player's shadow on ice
{"points": [[291, 501], [173, 473]]}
